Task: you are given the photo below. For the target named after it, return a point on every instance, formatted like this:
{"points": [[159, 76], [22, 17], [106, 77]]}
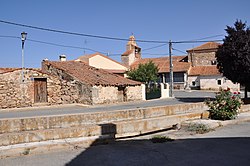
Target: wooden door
{"points": [[40, 90]]}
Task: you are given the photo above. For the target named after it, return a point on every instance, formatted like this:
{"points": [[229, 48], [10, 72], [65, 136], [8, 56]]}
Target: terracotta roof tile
{"points": [[179, 63], [206, 46], [126, 53], [91, 75], [204, 71], [7, 70]]}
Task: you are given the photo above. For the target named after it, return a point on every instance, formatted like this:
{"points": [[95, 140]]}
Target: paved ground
{"points": [[226, 146], [180, 98]]}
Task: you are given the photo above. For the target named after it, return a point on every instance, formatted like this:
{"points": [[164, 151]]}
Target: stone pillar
{"points": [[143, 91], [164, 90]]}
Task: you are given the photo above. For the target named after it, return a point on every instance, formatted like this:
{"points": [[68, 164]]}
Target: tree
{"points": [[233, 56], [144, 73]]}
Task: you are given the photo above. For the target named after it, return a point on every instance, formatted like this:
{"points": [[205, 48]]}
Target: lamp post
{"points": [[23, 37]]}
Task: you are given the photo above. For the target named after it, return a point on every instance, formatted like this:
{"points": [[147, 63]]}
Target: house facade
{"points": [[203, 73], [209, 78], [65, 82], [90, 85], [28, 87]]}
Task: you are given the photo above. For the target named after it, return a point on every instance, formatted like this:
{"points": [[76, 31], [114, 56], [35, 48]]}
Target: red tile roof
{"points": [[90, 75], [179, 64], [128, 52], [206, 46], [204, 71], [7, 70]]}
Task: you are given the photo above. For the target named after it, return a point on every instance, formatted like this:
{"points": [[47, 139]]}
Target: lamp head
{"points": [[24, 35]]}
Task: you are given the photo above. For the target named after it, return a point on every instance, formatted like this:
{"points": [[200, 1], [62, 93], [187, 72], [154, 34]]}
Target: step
{"points": [[116, 129], [73, 120]]}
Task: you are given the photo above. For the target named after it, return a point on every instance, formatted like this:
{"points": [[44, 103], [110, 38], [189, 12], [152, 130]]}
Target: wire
{"points": [[179, 50], [54, 44], [154, 47], [66, 46], [77, 34], [14, 37], [196, 41], [209, 37], [99, 36]]}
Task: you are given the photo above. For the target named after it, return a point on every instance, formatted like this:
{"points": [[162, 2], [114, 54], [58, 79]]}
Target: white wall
{"points": [[211, 82], [104, 63]]}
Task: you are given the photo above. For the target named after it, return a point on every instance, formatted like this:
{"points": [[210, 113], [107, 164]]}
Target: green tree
{"points": [[145, 73], [233, 56]]}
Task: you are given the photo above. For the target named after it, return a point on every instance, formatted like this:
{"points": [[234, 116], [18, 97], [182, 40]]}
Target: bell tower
{"points": [[133, 52]]}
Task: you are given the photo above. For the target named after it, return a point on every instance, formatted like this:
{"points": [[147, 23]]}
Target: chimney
{"points": [[62, 58]]}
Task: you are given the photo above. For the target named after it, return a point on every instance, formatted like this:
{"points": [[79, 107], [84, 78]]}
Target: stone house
{"points": [[28, 87], [203, 73], [65, 83], [89, 85], [101, 61], [203, 55]]}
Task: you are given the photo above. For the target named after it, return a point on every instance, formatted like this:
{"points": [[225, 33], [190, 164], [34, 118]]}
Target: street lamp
{"points": [[23, 37]]}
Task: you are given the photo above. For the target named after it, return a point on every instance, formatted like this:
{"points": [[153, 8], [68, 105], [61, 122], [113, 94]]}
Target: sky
{"points": [[150, 20]]}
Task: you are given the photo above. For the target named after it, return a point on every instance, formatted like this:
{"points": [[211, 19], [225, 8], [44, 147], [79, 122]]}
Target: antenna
{"points": [[85, 45]]}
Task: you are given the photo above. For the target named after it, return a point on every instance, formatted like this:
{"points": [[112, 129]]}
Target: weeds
{"points": [[199, 128]]}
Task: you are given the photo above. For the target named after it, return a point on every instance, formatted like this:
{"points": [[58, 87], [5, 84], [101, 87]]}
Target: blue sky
{"points": [[160, 20]]}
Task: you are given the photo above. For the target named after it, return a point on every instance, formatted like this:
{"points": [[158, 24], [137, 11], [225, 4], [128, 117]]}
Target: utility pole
{"points": [[170, 70], [23, 37]]}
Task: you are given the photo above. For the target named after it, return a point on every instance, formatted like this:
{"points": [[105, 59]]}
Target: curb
{"points": [[212, 124]]}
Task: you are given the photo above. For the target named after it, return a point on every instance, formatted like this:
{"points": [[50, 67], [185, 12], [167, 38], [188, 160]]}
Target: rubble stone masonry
{"points": [[17, 93]]}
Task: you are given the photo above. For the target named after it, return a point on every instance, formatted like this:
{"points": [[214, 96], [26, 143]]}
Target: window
{"points": [[193, 83], [177, 77], [219, 82]]}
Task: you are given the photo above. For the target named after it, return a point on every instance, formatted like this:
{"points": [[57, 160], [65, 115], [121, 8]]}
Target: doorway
{"points": [[40, 90], [122, 96]]}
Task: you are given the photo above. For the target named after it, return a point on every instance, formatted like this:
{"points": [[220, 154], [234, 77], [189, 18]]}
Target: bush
{"points": [[225, 106], [199, 128], [161, 139]]}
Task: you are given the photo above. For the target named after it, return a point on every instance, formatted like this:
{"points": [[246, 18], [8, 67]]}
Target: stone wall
{"points": [[134, 93], [72, 90], [109, 94], [201, 58], [15, 93], [105, 94]]}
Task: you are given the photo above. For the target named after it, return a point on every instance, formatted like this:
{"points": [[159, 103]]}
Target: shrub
{"points": [[225, 106], [199, 128]]}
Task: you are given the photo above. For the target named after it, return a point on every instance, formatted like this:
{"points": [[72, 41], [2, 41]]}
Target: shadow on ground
{"points": [[192, 99], [193, 152]]}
